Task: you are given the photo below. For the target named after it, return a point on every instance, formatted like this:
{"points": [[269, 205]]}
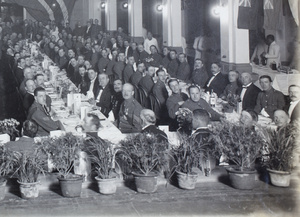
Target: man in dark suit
{"points": [[29, 97], [103, 62], [217, 82], [293, 108], [148, 125], [159, 89], [88, 30], [199, 74], [26, 142], [117, 98], [104, 93], [19, 70], [62, 60], [143, 55], [248, 92], [93, 82]]}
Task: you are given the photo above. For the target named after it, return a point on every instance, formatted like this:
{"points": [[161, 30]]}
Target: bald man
{"points": [[281, 118], [129, 115], [148, 119]]}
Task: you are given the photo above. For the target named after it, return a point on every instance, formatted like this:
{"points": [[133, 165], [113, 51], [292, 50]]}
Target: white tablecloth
{"points": [[281, 81]]}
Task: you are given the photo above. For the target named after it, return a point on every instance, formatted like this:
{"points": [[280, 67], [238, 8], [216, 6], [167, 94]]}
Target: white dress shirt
{"points": [[292, 107], [274, 54], [211, 79]]}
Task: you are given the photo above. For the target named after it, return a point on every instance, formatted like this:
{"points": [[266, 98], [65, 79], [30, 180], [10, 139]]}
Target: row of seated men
{"points": [[264, 102], [118, 100]]}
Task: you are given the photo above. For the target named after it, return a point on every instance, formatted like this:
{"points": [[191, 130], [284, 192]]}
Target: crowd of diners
{"points": [[111, 68]]}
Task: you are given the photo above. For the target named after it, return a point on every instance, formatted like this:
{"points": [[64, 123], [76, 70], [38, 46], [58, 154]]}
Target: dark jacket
{"points": [[250, 97], [218, 84], [105, 99]]}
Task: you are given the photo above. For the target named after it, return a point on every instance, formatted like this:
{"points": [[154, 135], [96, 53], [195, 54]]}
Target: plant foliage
{"points": [[29, 165], [102, 155], [239, 143], [63, 151], [280, 147], [7, 161], [190, 152], [145, 153]]}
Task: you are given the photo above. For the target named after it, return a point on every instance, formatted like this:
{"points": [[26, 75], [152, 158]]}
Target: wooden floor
{"points": [[210, 198]]}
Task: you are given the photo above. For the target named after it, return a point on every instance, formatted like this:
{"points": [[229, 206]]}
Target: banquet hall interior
{"points": [[103, 89]]}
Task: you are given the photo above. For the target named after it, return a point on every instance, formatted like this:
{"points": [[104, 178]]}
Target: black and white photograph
{"points": [[149, 108]]}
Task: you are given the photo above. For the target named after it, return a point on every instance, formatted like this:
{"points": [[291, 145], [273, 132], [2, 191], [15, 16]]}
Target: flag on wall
{"points": [[44, 10], [273, 16], [249, 14], [295, 8]]}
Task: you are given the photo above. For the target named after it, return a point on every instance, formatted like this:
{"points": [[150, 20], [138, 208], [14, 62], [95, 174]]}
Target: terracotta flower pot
{"points": [[280, 178], [145, 183], [71, 186], [244, 180], [2, 188], [107, 186], [29, 190], [187, 181]]}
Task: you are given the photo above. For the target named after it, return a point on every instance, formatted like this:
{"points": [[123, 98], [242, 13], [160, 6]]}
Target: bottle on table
{"points": [[213, 99]]}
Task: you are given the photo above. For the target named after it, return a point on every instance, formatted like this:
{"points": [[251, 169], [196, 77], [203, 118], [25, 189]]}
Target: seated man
{"points": [[29, 97], [199, 74], [269, 100], [174, 102], [183, 71], [27, 75], [39, 80], [93, 83], [248, 92], [293, 108], [281, 118], [26, 142], [233, 85], [117, 98], [146, 82], [129, 115], [249, 118], [159, 89], [91, 124], [217, 82], [196, 102], [148, 125], [201, 136], [40, 113], [103, 94]]}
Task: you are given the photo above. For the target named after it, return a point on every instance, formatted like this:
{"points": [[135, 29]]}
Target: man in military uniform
{"points": [[129, 115]]}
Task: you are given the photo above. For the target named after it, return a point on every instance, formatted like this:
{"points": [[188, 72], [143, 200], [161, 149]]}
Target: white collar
{"points": [[248, 85], [294, 102]]}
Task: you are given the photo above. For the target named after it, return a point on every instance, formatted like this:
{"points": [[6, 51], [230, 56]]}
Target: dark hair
{"points": [[271, 37], [198, 59], [19, 60], [266, 76], [182, 54], [201, 114], [95, 120], [294, 85], [37, 75], [217, 63], [118, 79], [30, 128], [159, 70], [171, 80], [38, 89], [193, 86], [173, 51]]}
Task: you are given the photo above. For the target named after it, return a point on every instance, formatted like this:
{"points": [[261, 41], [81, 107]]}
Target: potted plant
{"points": [[279, 154], [63, 151], [9, 126], [7, 162], [29, 165], [147, 156], [242, 145], [189, 155], [102, 156]]}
